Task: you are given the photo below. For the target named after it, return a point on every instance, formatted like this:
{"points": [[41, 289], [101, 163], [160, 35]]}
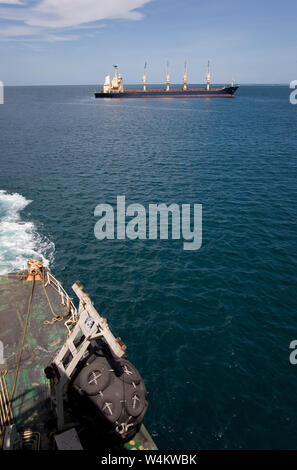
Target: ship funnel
{"points": [[185, 76], [144, 77], [208, 76], [232, 81], [167, 77]]}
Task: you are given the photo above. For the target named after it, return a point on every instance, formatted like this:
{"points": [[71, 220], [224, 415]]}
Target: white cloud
{"points": [[12, 2], [61, 13], [15, 31], [53, 14]]}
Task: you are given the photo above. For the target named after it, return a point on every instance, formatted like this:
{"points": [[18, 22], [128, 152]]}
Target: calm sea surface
{"points": [[210, 329]]}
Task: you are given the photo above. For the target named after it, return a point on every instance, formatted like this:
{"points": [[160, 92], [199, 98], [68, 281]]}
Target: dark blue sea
{"points": [[210, 329]]}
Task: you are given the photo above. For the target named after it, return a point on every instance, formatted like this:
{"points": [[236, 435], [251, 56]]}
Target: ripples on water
{"points": [[209, 330]]}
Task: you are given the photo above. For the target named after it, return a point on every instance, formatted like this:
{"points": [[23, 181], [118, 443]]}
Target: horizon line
{"points": [[153, 83]]}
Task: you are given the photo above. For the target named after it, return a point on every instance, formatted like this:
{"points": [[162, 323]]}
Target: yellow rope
{"points": [[31, 440], [20, 352], [6, 416], [56, 317]]}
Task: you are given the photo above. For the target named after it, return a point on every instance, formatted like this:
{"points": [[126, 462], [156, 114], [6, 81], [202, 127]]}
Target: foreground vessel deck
{"points": [[40, 310]]}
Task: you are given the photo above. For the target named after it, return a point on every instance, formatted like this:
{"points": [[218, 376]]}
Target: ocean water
{"points": [[208, 329]]}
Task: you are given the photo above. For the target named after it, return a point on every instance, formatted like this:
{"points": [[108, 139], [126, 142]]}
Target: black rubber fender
{"points": [[110, 406], [135, 401], [130, 373], [95, 377]]}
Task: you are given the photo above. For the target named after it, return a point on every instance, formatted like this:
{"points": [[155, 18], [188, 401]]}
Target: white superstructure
{"points": [[167, 77], [115, 85], [185, 76], [208, 77]]}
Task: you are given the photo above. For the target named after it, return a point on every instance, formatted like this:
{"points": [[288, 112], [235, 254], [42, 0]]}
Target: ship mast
{"points": [[185, 76], [208, 76], [144, 77], [167, 78], [232, 81]]}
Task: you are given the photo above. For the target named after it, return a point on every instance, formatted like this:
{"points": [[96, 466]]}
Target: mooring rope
{"points": [[56, 317], [20, 351], [6, 416]]}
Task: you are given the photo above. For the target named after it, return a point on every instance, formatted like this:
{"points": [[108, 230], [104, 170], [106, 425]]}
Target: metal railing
{"points": [[89, 326], [65, 299]]}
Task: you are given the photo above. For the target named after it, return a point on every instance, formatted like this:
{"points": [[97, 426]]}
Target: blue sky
{"points": [[78, 41]]}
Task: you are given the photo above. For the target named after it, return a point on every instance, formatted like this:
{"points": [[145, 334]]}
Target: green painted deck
{"points": [[31, 406], [31, 403]]}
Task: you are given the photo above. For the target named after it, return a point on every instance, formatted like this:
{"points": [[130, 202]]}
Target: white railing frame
{"points": [[65, 299], [91, 325]]}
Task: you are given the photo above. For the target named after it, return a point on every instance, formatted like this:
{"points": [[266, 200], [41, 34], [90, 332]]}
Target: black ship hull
{"points": [[225, 92]]}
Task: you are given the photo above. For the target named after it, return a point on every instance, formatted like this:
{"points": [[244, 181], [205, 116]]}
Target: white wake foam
{"points": [[19, 240]]}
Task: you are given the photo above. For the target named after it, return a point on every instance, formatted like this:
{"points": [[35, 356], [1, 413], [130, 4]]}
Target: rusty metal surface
{"points": [[31, 404]]}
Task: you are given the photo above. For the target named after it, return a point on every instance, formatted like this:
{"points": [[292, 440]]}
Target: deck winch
{"points": [[34, 270]]}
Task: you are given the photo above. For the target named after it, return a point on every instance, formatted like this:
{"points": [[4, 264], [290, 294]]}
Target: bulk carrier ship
{"points": [[115, 88], [65, 380]]}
